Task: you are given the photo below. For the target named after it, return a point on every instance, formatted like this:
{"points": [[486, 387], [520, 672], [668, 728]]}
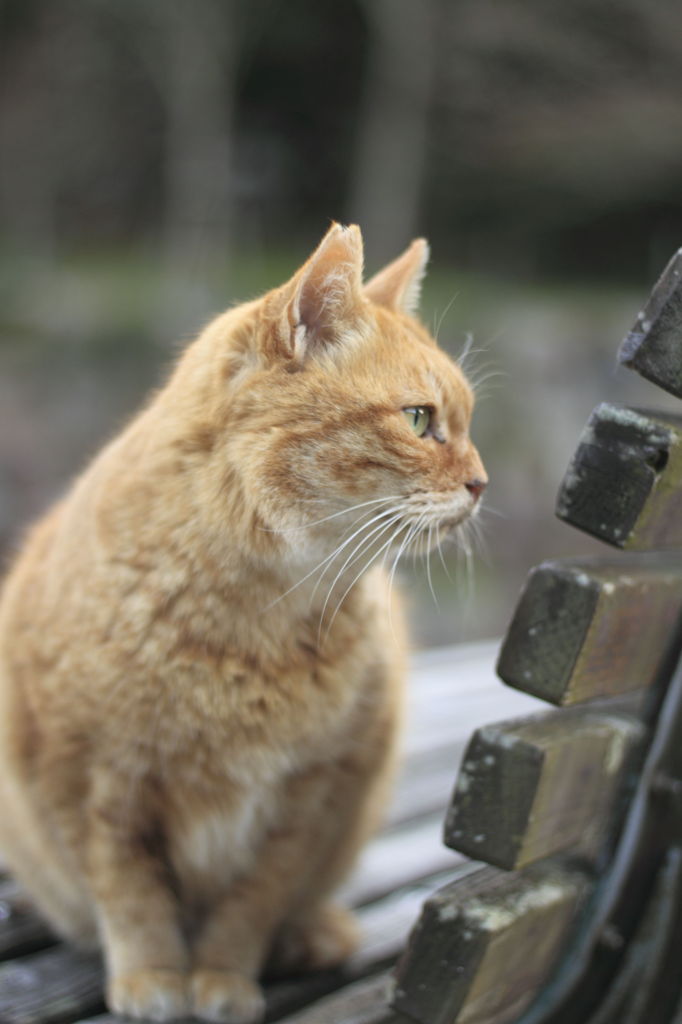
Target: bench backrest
{"points": [[543, 800]]}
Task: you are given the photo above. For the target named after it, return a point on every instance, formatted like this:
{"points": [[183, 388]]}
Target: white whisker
{"points": [[356, 553], [374, 557], [476, 382], [442, 316], [467, 348], [405, 542], [468, 352], [484, 508], [442, 557], [468, 557], [329, 558], [480, 539], [428, 566], [334, 515]]}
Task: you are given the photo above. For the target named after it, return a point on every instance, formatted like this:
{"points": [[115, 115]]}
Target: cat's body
{"points": [[196, 727]]}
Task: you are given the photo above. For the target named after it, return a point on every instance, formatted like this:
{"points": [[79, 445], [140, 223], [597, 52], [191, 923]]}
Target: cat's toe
{"points": [[226, 997], [318, 942], [151, 993]]}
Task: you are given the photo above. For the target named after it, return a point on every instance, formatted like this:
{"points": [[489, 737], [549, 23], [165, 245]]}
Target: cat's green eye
{"points": [[419, 418]]}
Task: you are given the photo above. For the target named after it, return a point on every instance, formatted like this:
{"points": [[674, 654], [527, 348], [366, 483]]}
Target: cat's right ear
{"points": [[398, 285], [323, 303]]}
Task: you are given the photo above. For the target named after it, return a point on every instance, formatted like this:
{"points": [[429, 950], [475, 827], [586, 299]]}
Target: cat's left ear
{"points": [[398, 286], [324, 301]]}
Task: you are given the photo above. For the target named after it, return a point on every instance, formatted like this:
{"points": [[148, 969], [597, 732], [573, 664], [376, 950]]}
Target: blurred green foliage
{"points": [[162, 159]]}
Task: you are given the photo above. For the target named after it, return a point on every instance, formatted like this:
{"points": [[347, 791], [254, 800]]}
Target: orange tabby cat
{"points": [[200, 684]]}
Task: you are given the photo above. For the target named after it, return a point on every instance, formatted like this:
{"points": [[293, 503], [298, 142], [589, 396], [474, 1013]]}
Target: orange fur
{"points": [[196, 731]]}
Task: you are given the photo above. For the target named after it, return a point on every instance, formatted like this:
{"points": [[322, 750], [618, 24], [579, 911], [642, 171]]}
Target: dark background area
{"points": [[160, 159]]}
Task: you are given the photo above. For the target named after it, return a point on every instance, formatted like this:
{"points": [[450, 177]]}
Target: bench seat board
{"points": [[485, 944], [364, 1002], [59, 984], [530, 788], [624, 483], [48, 987], [596, 627], [654, 345]]}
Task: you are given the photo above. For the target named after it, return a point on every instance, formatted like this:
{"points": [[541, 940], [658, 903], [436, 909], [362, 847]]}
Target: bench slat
{"points": [[485, 944], [624, 483], [21, 929], [364, 1002], [400, 858], [654, 345], [54, 985], [385, 926], [533, 787], [594, 627]]}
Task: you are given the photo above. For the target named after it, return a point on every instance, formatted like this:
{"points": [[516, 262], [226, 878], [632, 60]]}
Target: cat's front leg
{"points": [[231, 947], [145, 951], [229, 952]]}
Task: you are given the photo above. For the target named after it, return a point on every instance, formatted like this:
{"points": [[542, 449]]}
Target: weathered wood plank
{"points": [[59, 984], [594, 627], [400, 858], [424, 783], [385, 927], [55, 985], [453, 690], [485, 944], [21, 930], [360, 1002], [624, 484], [654, 345], [537, 786], [364, 1002]]}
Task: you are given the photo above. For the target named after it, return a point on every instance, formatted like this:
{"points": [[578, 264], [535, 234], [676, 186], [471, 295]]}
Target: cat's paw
{"points": [[320, 941], [226, 997], [151, 993]]}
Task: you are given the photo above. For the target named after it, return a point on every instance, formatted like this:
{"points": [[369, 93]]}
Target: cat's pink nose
{"points": [[476, 488]]}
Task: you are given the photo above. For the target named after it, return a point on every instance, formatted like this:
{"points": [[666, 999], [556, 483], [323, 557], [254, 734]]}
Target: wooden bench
{"points": [[452, 691], [578, 812], [569, 911]]}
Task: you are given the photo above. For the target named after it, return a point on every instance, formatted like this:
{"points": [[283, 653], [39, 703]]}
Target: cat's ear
{"points": [[398, 285], [324, 300]]}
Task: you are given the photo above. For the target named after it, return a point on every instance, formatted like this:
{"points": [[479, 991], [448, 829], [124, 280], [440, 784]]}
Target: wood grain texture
{"points": [[624, 483], [385, 927], [58, 984], [654, 345], [365, 1002], [592, 628], [49, 987], [537, 786], [21, 930], [399, 858], [486, 943], [361, 1002]]}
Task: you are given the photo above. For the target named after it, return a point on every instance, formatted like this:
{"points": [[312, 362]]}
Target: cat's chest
{"points": [[210, 843], [270, 712]]}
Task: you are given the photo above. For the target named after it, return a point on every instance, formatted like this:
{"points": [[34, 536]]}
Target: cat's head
{"points": [[346, 418]]}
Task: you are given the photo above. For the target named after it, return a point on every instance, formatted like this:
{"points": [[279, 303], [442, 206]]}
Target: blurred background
{"points": [[162, 159]]}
